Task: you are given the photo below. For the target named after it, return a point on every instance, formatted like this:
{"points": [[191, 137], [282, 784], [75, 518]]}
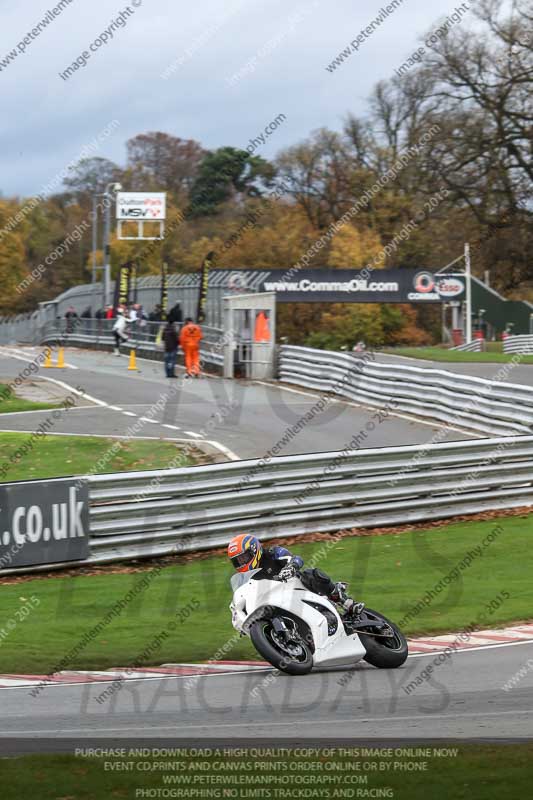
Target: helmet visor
{"points": [[242, 559]]}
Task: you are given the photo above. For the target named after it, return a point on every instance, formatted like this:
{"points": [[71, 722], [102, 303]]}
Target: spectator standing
{"points": [[175, 315], [142, 316], [170, 340], [70, 316], [119, 331], [100, 316], [190, 338], [156, 315], [133, 319]]}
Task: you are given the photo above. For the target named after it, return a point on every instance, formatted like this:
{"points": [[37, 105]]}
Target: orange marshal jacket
{"points": [[190, 335]]}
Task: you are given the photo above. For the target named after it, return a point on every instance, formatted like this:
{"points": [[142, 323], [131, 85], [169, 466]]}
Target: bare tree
{"points": [[317, 173], [483, 82], [161, 161]]}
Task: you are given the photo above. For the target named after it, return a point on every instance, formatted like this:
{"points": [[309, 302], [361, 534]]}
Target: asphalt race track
{"points": [[254, 416], [462, 699], [507, 373]]}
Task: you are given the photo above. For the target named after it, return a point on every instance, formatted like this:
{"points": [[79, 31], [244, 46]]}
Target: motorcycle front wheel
{"points": [[385, 652], [293, 657]]}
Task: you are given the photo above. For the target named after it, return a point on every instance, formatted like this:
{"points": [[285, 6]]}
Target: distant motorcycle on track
{"points": [[296, 630]]}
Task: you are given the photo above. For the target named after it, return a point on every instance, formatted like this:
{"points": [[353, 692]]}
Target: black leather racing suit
{"points": [[275, 558]]}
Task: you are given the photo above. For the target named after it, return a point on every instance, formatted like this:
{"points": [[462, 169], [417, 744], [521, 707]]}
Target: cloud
{"points": [[45, 121]]}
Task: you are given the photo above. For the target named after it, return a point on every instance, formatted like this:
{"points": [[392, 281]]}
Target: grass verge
{"points": [[441, 354], [12, 403], [59, 456], [185, 606], [473, 772]]}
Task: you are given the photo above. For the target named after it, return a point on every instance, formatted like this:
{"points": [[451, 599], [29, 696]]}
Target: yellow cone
{"points": [[61, 358], [133, 360], [48, 359]]}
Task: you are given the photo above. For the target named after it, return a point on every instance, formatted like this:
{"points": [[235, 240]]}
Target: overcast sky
{"points": [[217, 94]]}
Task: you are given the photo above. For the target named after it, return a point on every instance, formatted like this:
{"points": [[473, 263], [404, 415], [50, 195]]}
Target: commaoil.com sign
{"points": [[43, 522], [351, 286]]}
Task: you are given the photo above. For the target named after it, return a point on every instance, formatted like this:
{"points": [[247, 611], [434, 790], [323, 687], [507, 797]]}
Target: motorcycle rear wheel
{"points": [[261, 634], [384, 652]]}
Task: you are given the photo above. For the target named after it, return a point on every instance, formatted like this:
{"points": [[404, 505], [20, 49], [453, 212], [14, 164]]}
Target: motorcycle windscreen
{"points": [[240, 578]]}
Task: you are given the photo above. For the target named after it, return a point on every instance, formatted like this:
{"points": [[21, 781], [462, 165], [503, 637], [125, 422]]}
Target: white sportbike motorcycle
{"points": [[295, 629]]}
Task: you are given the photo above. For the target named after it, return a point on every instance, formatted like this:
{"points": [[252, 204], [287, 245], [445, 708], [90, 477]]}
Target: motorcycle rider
{"points": [[246, 553]]}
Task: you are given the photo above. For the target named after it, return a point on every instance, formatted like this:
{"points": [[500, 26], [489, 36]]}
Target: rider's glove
{"points": [[289, 571]]}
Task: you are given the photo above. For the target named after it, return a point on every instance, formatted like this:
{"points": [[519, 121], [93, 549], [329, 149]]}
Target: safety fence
{"points": [[20, 328], [157, 513], [475, 346], [518, 344], [183, 288], [490, 407], [144, 337]]}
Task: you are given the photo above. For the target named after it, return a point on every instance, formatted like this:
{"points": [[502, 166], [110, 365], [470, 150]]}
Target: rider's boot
{"points": [[340, 597]]}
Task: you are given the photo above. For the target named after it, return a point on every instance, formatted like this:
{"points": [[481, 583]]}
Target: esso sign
{"points": [[450, 287]]}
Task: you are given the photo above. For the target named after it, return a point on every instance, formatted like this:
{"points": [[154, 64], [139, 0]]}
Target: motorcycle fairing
{"points": [[254, 599]]}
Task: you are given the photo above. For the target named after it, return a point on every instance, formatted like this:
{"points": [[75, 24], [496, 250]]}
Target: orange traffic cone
{"points": [[262, 331], [61, 358], [133, 361]]}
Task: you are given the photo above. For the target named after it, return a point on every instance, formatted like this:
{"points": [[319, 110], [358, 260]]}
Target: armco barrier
{"points": [[475, 346], [20, 328], [94, 333], [148, 514], [518, 344], [489, 407]]}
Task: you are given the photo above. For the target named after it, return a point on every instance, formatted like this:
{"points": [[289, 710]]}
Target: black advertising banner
{"points": [[164, 289], [116, 293], [349, 285], [122, 286], [132, 288], [46, 523], [204, 283]]}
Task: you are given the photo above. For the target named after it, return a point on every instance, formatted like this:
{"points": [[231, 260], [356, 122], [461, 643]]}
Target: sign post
{"points": [[468, 295], [115, 187], [141, 207], [164, 290], [204, 284]]}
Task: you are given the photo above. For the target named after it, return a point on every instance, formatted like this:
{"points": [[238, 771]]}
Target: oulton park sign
{"points": [[141, 206]]}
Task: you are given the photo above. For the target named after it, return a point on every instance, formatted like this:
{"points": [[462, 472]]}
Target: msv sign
{"points": [[145, 206]]}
